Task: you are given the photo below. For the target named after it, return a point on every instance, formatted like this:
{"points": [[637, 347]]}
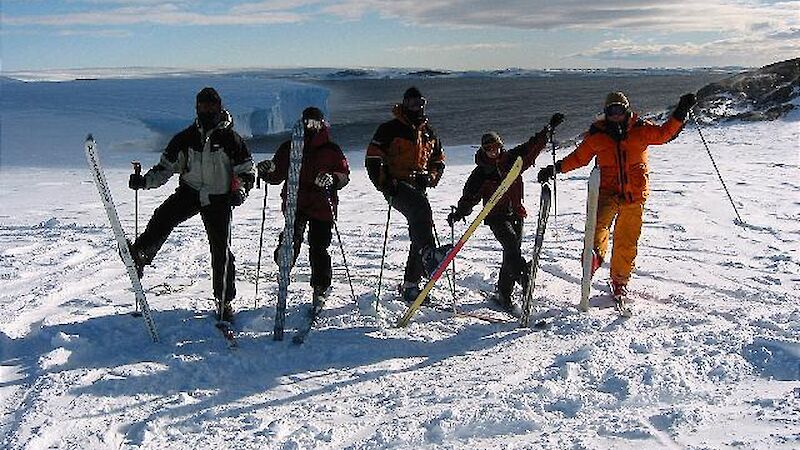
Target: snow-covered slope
{"points": [[711, 358]]}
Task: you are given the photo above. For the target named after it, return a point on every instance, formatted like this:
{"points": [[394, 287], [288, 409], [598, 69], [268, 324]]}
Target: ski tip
{"points": [[90, 138]]}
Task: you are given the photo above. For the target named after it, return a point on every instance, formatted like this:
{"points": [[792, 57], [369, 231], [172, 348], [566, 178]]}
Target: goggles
{"points": [[616, 109], [414, 103], [313, 124]]}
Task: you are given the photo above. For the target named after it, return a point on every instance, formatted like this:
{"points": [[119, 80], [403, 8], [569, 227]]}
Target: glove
{"points": [[324, 180], [539, 139], [546, 174], [684, 105], [454, 217], [423, 179], [265, 168], [556, 120], [136, 181], [237, 197]]}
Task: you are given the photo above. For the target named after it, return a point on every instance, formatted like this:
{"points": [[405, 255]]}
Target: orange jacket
{"points": [[623, 164], [404, 150]]}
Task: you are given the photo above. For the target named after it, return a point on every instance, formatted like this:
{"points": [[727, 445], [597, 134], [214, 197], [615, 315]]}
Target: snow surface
{"points": [[711, 358]]}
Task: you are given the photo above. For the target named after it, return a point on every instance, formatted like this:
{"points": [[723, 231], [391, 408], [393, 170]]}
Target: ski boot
{"points": [[318, 299], [432, 258], [503, 301], [619, 292], [139, 258], [226, 315], [410, 292]]}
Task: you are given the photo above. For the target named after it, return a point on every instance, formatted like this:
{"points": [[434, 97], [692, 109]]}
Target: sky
{"points": [[440, 34]]}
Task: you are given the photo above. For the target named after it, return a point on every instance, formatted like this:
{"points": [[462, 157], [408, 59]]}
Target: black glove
{"points": [[454, 217], [556, 120], [265, 168], [539, 139], [136, 181], [546, 174], [684, 105], [237, 197], [422, 179]]}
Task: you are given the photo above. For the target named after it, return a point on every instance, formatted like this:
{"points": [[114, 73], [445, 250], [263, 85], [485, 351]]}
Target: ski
{"points": [[286, 255], [313, 317], [544, 212], [498, 194], [122, 242], [593, 192], [226, 328]]}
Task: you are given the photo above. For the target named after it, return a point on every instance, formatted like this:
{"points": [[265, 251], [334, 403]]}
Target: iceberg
{"points": [[40, 119]]}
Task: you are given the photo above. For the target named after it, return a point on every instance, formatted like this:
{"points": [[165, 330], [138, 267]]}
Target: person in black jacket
{"points": [[403, 160], [507, 216], [216, 174]]}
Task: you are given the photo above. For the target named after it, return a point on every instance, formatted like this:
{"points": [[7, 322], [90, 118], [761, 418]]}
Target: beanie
{"points": [[617, 98], [490, 138], [208, 95]]}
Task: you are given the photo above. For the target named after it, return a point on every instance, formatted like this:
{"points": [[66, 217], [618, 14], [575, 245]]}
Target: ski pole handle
{"points": [[137, 167]]}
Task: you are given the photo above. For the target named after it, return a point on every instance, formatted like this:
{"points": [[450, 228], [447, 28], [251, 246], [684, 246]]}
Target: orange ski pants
{"points": [[627, 221]]}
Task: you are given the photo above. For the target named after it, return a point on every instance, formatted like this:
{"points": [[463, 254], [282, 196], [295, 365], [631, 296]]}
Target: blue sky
{"points": [[446, 34]]}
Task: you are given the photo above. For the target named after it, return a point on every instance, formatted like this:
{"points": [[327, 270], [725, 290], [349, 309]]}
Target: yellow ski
{"points": [[498, 194]]}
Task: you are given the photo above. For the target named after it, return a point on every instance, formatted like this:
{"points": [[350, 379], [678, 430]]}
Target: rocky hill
{"points": [[762, 94]]}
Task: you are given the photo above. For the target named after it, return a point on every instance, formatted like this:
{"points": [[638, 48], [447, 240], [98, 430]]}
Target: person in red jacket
{"points": [[506, 218], [324, 171], [620, 141]]}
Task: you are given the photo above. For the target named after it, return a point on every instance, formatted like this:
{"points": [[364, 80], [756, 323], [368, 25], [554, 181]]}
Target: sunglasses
{"points": [[414, 103], [616, 110]]}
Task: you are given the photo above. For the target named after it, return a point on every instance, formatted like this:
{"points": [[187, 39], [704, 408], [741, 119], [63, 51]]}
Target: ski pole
{"points": [[137, 169], [555, 191], [261, 242], [221, 301], [453, 243], [328, 195], [697, 125], [449, 280], [383, 254]]}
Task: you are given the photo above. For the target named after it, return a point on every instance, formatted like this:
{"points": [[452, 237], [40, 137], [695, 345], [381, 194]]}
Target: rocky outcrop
{"points": [[763, 94]]}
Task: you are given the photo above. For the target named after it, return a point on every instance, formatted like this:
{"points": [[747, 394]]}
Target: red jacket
{"points": [[486, 178], [320, 155]]}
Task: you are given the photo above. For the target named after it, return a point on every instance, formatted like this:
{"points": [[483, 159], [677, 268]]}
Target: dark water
{"points": [[461, 109]]}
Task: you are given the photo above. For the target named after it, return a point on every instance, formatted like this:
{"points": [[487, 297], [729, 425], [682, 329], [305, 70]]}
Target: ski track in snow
{"points": [[711, 358]]}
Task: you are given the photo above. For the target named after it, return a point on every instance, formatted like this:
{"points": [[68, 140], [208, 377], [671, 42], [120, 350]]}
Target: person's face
{"points": [[208, 108], [492, 149], [616, 113]]}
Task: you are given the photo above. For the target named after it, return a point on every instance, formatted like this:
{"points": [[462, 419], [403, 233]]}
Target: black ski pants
{"points": [[319, 239], [507, 230], [414, 205], [183, 204]]}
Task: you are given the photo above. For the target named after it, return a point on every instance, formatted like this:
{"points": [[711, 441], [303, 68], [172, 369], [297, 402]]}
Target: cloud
{"points": [[678, 15], [439, 48], [169, 14]]}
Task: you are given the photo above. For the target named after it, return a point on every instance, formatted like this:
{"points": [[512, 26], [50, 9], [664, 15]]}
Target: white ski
{"points": [[286, 254], [119, 234], [588, 236]]}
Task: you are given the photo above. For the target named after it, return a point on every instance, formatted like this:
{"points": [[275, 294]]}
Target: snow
{"points": [[710, 359]]}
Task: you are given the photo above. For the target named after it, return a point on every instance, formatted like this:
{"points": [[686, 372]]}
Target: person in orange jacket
{"points": [[620, 141]]}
